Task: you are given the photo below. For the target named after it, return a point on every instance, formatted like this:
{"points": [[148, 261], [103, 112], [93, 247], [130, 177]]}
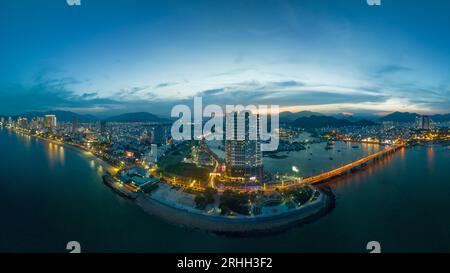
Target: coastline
{"points": [[240, 225], [88, 154]]}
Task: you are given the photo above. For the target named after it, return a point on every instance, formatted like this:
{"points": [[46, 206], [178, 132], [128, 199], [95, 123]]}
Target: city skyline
{"points": [[127, 57]]}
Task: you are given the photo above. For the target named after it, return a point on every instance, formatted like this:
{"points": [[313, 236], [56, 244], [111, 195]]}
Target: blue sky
{"points": [[107, 57]]}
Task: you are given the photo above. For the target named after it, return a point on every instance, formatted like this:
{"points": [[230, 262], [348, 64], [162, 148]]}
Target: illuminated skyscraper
{"points": [[50, 121], [152, 156], [243, 149], [22, 123]]}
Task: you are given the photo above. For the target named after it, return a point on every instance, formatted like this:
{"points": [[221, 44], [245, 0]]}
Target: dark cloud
{"points": [[388, 70], [165, 84], [211, 92], [48, 95], [287, 84], [89, 95]]}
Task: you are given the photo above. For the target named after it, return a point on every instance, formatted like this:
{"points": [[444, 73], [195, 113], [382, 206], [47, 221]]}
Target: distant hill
{"points": [[411, 117], [441, 118], [136, 117], [290, 116], [400, 117], [326, 121], [356, 116], [62, 116]]}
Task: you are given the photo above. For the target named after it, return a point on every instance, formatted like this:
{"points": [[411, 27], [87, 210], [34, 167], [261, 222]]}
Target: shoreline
{"points": [[240, 225], [86, 153]]}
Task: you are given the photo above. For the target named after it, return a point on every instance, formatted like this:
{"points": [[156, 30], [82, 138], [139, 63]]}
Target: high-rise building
{"points": [[40, 123], [426, 123], [2, 120], [423, 122], [22, 123], [103, 127], [50, 121], [9, 121], [74, 123], [243, 147], [152, 156], [159, 135]]}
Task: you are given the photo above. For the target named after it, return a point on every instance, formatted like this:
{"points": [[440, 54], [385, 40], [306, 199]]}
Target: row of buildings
{"points": [[48, 122]]}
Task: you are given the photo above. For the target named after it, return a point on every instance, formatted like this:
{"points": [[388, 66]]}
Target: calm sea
{"points": [[50, 194]]}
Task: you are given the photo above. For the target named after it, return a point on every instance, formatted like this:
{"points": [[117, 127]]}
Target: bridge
{"points": [[351, 166]]}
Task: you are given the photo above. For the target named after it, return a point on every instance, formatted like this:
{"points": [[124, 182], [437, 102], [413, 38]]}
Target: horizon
{"points": [[313, 113]]}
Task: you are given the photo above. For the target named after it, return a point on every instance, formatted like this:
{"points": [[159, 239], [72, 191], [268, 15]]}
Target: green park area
{"points": [[172, 164]]}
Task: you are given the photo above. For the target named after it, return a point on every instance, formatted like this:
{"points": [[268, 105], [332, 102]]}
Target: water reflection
{"points": [[56, 154], [430, 157], [360, 175]]}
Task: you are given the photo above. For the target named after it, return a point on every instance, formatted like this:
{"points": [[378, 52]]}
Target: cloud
{"points": [[392, 69], [165, 84], [89, 95], [48, 95]]}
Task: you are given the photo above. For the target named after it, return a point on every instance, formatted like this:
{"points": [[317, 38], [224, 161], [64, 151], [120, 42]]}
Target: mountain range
{"points": [[325, 121], [137, 117], [411, 117], [306, 119], [287, 117]]}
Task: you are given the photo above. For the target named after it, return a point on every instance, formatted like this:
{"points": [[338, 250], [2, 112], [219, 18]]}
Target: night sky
{"points": [[108, 57]]}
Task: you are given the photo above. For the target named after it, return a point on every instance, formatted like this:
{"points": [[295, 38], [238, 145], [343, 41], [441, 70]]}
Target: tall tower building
{"points": [[50, 121], [243, 147], [159, 135], [426, 123], [423, 122], [23, 123], [103, 127], [74, 123]]}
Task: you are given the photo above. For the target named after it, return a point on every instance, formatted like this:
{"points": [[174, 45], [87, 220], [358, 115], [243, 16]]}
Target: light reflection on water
{"points": [[55, 154], [430, 157]]}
